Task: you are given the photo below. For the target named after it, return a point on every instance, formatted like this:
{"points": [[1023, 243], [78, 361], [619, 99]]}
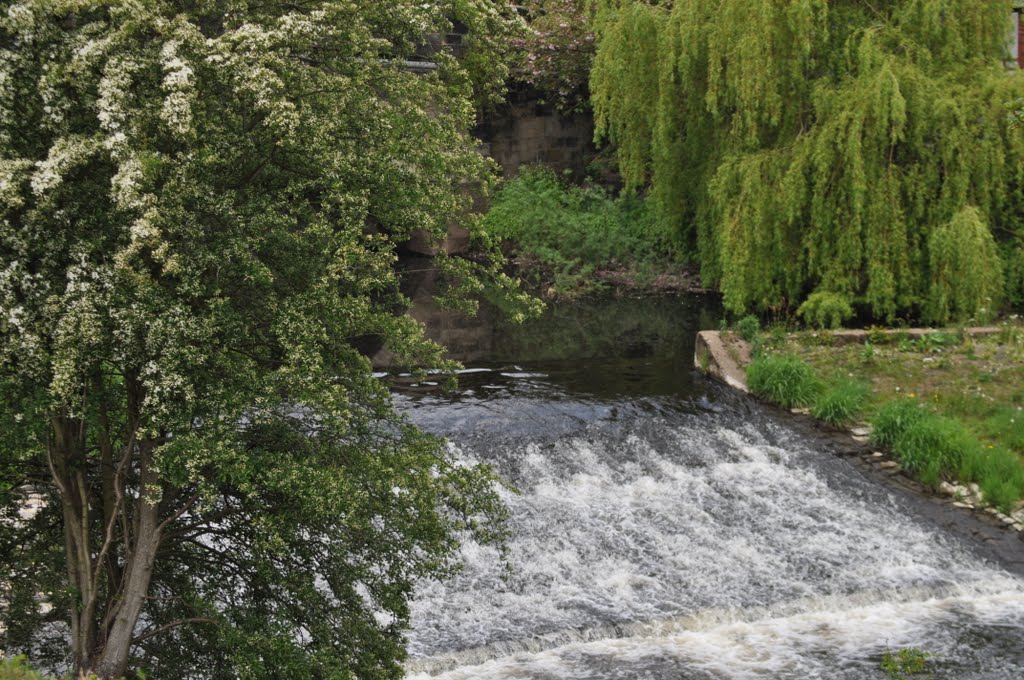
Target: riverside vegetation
{"points": [[838, 158], [949, 406], [574, 240], [856, 150]]}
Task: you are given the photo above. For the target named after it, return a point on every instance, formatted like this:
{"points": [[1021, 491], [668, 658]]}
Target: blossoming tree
{"points": [[199, 209]]}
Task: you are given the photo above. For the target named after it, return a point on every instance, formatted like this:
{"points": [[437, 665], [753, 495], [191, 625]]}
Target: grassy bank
{"points": [[948, 406], [570, 240]]}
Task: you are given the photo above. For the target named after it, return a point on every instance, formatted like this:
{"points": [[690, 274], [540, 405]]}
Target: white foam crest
{"points": [[800, 639]]}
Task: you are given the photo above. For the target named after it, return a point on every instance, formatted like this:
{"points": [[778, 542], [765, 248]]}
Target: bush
{"points": [[748, 327], [784, 380], [17, 668], [1013, 265], [569, 227], [824, 309], [842, 402], [965, 269]]}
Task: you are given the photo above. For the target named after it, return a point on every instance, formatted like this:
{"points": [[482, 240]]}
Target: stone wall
{"points": [[525, 131], [521, 131]]}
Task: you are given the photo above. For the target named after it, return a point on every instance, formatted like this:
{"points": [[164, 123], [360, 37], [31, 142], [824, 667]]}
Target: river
{"points": [[664, 526]]}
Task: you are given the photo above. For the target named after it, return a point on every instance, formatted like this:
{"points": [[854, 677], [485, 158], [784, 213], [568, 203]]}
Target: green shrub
{"points": [[965, 269], [784, 380], [570, 227], [17, 668], [825, 309], [841, 403], [1013, 265], [893, 419], [749, 327], [934, 342]]}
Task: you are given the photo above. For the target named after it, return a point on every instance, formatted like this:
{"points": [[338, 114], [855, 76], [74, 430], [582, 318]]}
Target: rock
{"points": [[961, 504], [877, 454], [862, 439], [948, 489], [1009, 521], [889, 465], [800, 411], [861, 431]]}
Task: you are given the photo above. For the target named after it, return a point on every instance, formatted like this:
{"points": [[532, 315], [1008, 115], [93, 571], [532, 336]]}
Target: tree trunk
{"points": [[112, 659], [66, 452]]}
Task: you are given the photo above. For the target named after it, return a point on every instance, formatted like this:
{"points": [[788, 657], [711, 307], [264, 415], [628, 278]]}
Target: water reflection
{"points": [[608, 346]]}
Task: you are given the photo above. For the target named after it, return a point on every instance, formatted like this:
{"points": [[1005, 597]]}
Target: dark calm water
{"points": [[666, 527]]}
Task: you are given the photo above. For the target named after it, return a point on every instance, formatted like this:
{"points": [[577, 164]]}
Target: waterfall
{"points": [[703, 541]]}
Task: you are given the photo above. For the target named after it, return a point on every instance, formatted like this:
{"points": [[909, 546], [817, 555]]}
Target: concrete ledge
{"points": [[723, 355], [859, 336]]}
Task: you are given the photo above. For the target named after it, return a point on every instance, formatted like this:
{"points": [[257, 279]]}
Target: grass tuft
{"points": [[784, 380], [999, 474], [893, 419], [935, 446], [842, 402]]}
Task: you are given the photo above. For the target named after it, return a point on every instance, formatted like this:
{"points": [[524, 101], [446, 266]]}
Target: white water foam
{"points": [[707, 550]]}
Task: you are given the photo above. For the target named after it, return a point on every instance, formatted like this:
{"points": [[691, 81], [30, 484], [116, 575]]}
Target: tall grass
{"points": [[842, 402], [893, 418], [784, 380], [935, 447]]}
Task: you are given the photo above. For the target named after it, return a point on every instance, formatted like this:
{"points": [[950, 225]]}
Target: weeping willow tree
{"points": [[835, 147]]}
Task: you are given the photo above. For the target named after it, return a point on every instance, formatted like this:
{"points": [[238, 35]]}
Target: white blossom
{"points": [[126, 184], [179, 91], [66, 153]]}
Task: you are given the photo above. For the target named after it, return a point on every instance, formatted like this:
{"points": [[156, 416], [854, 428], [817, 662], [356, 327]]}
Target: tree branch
{"points": [[178, 513], [168, 626]]}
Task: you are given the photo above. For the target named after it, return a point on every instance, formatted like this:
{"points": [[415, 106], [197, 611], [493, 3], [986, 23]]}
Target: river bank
{"points": [[966, 383], [664, 525]]}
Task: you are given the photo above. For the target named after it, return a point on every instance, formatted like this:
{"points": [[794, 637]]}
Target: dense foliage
{"points": [[572, 230], [557, 50], [199, 209], [858, 150]]}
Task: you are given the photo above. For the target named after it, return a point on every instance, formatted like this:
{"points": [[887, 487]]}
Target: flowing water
{"points": [[667, 527]]}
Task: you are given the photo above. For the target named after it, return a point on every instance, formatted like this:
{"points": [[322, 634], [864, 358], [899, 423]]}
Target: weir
{"points": [[665, 526]]}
